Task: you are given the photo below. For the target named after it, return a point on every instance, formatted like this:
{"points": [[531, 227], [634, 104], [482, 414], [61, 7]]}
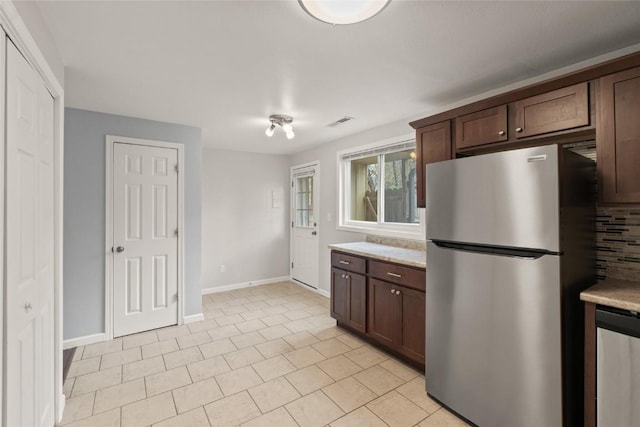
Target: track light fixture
{"points": [[284, 122]]}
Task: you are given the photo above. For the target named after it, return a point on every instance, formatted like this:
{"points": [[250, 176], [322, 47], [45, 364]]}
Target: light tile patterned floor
{"points": [[263, 356]]}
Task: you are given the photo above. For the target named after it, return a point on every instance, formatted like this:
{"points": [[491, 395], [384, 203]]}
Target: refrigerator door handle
{"points": [[528, 254]]}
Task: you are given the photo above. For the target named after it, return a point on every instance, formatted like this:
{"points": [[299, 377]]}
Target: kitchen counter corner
{"points": [[622, 294], [409, 257]]}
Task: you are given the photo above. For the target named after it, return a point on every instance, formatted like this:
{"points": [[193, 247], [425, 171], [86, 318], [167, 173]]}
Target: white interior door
{"points": [[29, 345], [304, 236], [145, 237]]}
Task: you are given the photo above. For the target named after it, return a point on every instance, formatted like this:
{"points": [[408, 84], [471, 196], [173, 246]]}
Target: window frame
{"points": [[415, 231]]}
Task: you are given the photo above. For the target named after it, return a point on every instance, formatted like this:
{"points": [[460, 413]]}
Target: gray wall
{"points": [[84, 212], [240, 227], [326, 154]]}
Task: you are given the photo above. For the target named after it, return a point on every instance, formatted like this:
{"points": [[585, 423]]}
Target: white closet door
{"points": [[145, 213], [29, 382]]}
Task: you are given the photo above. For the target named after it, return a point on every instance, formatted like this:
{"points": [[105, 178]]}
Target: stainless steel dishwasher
{"points": [[618, 378]]}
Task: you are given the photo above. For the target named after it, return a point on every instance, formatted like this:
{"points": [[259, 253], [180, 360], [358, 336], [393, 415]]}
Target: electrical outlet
{"points": [[223, 268]]}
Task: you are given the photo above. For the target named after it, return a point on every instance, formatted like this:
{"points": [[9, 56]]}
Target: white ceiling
{"points": [[225, 66]]}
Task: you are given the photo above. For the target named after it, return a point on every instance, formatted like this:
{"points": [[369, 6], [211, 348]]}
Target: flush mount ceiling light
{"points": [[284, 122], [342, 12]]}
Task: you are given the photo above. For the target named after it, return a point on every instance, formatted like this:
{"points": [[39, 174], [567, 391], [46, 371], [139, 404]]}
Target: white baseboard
{"points": [[193, 318], [326, 294], [61, 404], [316, 290], [86, 340], [225, 288]]}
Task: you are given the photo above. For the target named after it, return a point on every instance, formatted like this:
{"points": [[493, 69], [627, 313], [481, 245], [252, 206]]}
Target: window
{"points": [[304, 201], [378, 189]]}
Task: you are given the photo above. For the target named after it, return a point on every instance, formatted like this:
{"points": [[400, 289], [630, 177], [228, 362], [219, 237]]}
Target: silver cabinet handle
{"points": [[27, 307], [501, 133], [120, 249], [393, 291], [394, 275], [518, 129], [344, 262], [346, 276], [343, 276], [397, 292]]}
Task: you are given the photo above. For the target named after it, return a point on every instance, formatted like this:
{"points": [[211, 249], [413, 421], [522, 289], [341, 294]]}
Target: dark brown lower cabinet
{"points": [[397, 318], [590, 364], [349, 299], [383, 312], [382, 301], [412, 335]]}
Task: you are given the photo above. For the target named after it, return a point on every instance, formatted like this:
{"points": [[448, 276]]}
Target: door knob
{"points": [[120, 249], [313, 233], [501, 133], [518, 130], [27, 307]]}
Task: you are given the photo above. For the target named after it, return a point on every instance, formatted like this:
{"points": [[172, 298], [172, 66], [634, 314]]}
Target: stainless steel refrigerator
{"points": [[510, 245]]}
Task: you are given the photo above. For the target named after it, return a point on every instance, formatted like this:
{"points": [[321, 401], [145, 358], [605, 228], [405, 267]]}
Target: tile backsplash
{"points": [[618, 243], [617, 233]]}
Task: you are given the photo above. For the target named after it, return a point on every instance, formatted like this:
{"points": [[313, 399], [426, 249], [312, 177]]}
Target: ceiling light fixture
{"points": [[270, 130], [284, 122], [343, 12]]}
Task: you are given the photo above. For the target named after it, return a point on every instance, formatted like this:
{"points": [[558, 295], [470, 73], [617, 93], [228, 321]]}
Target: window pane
{"points": [[304, 201], [364, 189], [400, 188]]}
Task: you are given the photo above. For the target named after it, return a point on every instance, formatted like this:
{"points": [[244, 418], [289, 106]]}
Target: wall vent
{"points": [[340, 121]]}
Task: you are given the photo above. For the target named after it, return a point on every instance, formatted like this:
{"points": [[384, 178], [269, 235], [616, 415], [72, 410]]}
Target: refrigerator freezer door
{"points": [[493, 346], [503, 199]]}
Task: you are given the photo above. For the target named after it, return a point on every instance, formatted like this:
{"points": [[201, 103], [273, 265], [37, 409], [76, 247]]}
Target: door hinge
{"points": [[175, 232], [292, 265], [291, 224], [291, 184], [177, 169]]}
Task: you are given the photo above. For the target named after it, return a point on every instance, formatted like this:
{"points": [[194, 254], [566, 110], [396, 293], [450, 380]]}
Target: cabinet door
{"points": [[618, 137], [433, 144], [383, 312], [412, 334], [482, 127], [553, 111], [339, 295], [357, 302]]}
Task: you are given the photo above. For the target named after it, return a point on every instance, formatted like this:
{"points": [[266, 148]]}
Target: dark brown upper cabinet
{"points": [[618, 137], [558, 110], [433, 144], [483, 127]]}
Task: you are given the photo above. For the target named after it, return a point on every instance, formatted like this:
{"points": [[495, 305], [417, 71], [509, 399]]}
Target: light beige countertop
{"points": [[404, 256], [616, 293]]}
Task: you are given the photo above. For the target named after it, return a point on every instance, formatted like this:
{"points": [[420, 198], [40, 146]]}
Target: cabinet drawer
{"points": [[482, 127], [348, 262], [401, 275], [553, 111]]}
